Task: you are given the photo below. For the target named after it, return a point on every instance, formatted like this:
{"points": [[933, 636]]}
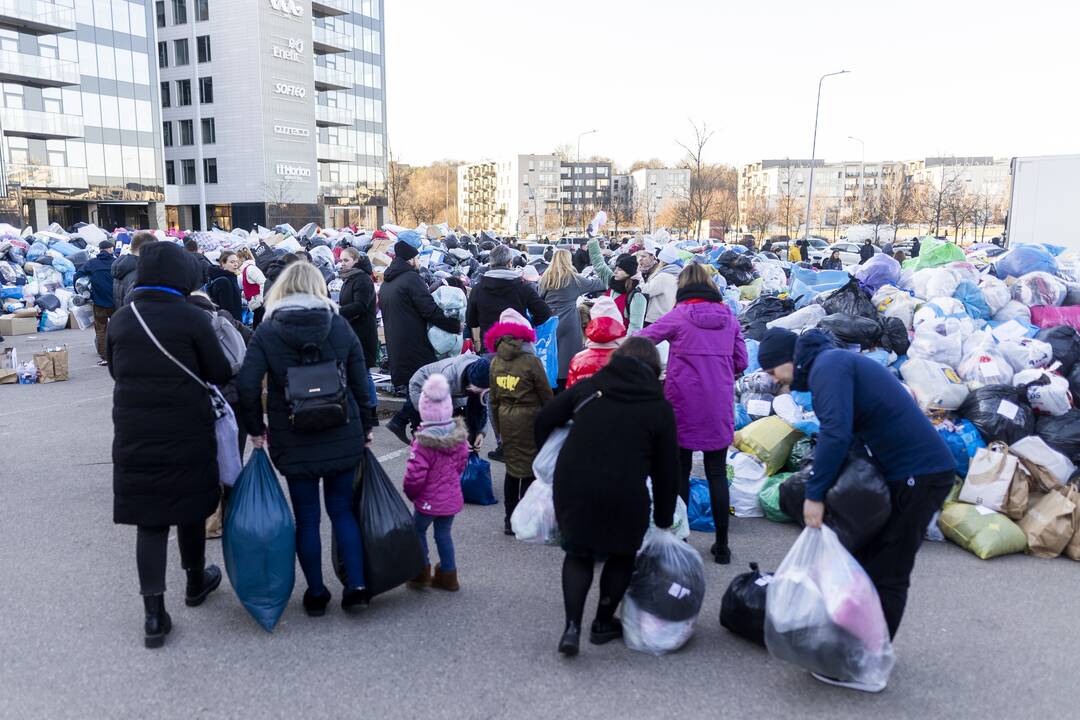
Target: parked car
{"points": [[849, 252]]}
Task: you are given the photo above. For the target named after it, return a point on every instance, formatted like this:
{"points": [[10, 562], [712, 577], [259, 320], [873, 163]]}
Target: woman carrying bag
{"points": [[560, 288], [301, 336], [165, 470]]}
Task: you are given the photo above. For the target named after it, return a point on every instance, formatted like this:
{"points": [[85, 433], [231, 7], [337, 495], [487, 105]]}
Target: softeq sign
{"points": [[291, 8], [290, 90]]}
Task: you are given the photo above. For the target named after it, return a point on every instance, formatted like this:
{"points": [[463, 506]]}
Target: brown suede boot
{"points": [[422, 580], [445, 580]]}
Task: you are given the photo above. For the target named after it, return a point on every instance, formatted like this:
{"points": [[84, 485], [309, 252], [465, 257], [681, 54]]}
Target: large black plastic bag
{"points": [[1000, 412], [258, 542], [1074, 383], [742, 611], [762, 311], [850, 300], [894, 336], [857, 506], [665, 594], [853, 329], [736, 268], [1061, 433], [1066, 344], [392, 551]]}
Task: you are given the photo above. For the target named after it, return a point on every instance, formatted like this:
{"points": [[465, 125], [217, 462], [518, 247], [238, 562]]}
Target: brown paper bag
{"points": [[1072, 550], [1049, 524], [1016, 503], [990, 477], [52, 365], [8, 377]]}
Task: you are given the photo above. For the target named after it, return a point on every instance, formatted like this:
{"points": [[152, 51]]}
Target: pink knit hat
{"points": [[436, 406], [511, 323]]}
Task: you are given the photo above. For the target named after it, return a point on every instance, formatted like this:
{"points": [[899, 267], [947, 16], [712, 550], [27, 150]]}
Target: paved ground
{"points": [[997, 639]]}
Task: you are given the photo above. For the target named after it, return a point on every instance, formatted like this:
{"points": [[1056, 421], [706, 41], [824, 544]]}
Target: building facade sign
{"points": [[287, 8], [291, 51]]}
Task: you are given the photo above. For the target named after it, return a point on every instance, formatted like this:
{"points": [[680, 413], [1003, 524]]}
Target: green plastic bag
{"points": [[769, 497], [934, 253], [983, 533], [801, 453], [751, 291]]}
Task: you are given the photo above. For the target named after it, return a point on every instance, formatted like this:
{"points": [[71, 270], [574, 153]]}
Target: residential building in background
{"points": [[656, 188], [586, 189], [986, 175], [515, 196], [272, 111], [476, 195], [81, 114]]}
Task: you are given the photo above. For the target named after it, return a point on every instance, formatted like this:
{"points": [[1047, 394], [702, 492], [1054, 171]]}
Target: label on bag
{"points": [[763, 580], [678, 592], [1009, 331], [1008, 409], [983, 510], [951, 376], [761, 408], [989, 368]]}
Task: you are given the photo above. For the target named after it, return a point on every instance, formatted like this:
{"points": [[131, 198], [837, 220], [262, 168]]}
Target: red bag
{"points": [[1047, 316]]}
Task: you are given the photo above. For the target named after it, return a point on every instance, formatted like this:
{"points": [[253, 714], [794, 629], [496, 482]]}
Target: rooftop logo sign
{"points": [[290, 8]]}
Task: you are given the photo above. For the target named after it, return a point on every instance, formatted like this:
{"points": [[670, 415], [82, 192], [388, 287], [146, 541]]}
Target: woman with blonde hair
{"points": [[302, 327], [560, 288]]}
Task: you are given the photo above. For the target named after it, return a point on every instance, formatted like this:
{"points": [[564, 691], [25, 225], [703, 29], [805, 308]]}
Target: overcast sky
{"points": [[475, 79]]}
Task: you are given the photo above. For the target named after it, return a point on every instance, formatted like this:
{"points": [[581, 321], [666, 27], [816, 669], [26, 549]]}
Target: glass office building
{"points": [[80, 113]]}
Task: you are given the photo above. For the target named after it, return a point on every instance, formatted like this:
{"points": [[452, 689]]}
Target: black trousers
{"points": [[719, 494], [890, 557], [577, 577], [513, 490], [152, 552]]}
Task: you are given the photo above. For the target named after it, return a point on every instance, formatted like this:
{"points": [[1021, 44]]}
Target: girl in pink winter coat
{"points": [[437, 458]]}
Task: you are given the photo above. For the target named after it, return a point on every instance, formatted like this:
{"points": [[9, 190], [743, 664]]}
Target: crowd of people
{"points": [[167, 318]]}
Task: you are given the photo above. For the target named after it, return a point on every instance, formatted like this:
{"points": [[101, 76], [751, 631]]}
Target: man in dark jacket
{"points": [[408, 309], [858, 400], [581, 256], [124, 269], [866, 252], [915, 246], [804, 249], [99, 270], [500, 289]]}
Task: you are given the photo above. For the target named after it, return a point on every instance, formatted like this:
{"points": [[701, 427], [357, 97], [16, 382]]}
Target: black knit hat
{"points": [[404, 250], [628, 264], [777, 347]]}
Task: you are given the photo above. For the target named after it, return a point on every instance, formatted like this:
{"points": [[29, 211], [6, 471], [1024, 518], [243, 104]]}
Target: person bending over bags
{"points": [[856, 398], [621, 417]]}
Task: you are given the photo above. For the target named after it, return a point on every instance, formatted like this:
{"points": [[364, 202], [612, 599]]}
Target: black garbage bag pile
{"points": [[1066, 344], [736, 268], [853, 329], [761, 312], [742, 611], [894, 336], [1061, 432], [1000, 412], [850, 300]]}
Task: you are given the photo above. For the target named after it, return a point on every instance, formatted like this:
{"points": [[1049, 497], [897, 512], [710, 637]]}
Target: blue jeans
{"points": [[443, 541], [338, 493]]}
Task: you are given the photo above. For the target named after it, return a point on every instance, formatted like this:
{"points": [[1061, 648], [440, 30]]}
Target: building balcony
{"points": [[333, 117], [34, 17], [36, 71], [327, 79], [330, 8], [335, 153], [327, 42], [38, 124], [48, 177]]}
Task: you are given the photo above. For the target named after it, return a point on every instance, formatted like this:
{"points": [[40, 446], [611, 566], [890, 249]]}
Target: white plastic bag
{"points": [[56, 320], [680, 524], [665, 595], [893, 302], [934, 282], [1039, 288], [985, 366], [533, 520], [543, 466], [1035, 450], [749, 479], [1014, 310], [800, 320], [1053, 398], [995, 293], [822, 613], [1026, 353], [935, 386], [941, 307], [940, 340]]}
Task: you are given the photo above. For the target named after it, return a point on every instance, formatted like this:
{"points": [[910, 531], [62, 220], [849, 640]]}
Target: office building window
{"points": [[166, 96], [187, 132], [170, 172], [210, 171], [180, 52], [179, 12], [159, 8], [202, 10], [183, 93], [188, 167], [209, 131], [163, 54], [166, 133], [206, 90], [203, 42]]}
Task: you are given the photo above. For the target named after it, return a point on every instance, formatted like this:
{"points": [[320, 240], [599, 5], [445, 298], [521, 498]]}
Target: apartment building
{"points": [[272, 111], [656, 188], [585, 189], [80, 114]]}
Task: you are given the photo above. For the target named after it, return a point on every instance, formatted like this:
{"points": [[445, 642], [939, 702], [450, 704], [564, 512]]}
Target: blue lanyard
{"points": [[161, 288]]}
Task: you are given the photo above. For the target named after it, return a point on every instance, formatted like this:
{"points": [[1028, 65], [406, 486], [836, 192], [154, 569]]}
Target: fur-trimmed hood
{"points": [[445, 436], [301, 301], [504, 329]]}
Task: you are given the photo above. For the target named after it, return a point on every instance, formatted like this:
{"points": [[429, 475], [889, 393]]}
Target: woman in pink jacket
{"points": [[707, 354], [437, 458]]}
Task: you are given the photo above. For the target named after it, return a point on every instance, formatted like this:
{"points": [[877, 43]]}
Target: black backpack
{"points": [[317, 393]]}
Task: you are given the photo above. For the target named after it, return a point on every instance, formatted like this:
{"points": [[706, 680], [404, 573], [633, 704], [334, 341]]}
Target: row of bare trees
{"points": [[425, 194]]}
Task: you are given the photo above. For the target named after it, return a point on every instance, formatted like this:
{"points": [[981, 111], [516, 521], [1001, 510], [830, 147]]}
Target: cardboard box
{"points": [[11, 325], [9, 366]]}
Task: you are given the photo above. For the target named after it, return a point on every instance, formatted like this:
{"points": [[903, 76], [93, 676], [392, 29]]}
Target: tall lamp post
{"points": [[862, 170], [813, 149]]}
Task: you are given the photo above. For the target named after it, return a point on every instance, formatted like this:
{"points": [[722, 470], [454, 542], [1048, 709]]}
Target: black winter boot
{"points": [[158, 622], [200, 583], [570, 640]]}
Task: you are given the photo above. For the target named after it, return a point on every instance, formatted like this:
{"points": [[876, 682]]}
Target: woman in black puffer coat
{"points": [[301, 320], [360, 307], [164, 446]]}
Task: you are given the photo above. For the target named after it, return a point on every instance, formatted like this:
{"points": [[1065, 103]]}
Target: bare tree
{"points": [[788, 205], [934, 198], [279, 195], [650, 164], [760, 216], [988, 208], [959, 209], [705, 179], [896, 201], [565, 152], [397, 186], [727, 212]]}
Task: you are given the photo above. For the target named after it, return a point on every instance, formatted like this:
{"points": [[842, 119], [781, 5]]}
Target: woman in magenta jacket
{"points": [[706, 354]]}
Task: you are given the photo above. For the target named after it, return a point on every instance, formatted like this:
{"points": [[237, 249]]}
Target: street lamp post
{"points": [[581, 135], [813, 149], [862, 170]]}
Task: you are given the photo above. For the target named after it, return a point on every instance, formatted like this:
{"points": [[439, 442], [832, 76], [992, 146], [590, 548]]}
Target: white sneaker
{"points": [[851, 684]]}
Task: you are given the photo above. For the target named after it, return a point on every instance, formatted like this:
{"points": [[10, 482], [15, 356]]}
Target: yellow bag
{"points": [[751, 291], [770, 440], [980, 531]]}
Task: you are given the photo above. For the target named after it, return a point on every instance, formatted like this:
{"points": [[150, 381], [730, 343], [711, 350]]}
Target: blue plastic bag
{"points": [[752, 362], [476, 481], [964, 440], [742, 417], [969, 293], [699, 510], [1025, 259], [65, 248], [547, 348], [35, 251], [259, 542], [808, 284]]}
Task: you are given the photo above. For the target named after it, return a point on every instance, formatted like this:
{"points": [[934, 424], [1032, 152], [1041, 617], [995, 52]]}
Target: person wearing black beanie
{"points": [[404, 250], [777, 348]]}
